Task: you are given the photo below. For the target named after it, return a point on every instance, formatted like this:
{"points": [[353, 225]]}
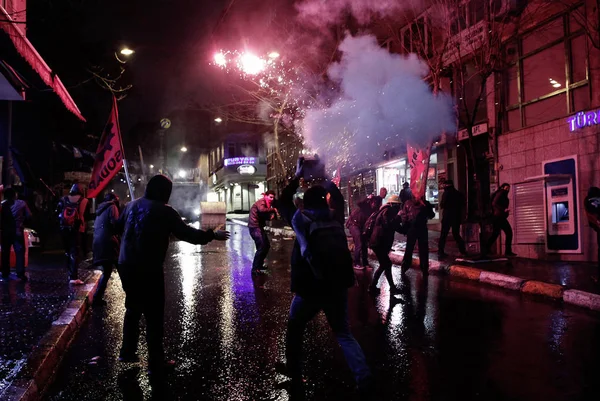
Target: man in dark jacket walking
{"points": [[311, 294], [356, 224], [453, 206], [14, 213], [387, 223], [406, 193], [414, 215], [147, 224], [500, 222], [106, 243], [260, 212]]}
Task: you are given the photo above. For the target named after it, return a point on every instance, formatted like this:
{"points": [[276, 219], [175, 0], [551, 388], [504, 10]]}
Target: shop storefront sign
{"points": [[246, 169], [477, 130], [583, 119], [236, 161]]}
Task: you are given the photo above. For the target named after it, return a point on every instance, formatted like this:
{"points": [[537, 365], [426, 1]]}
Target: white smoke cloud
{"points": [[383, 102], [324, 12]]}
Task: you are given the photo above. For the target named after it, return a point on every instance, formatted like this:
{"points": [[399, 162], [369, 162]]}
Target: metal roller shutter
{"points": [[529, 212]]}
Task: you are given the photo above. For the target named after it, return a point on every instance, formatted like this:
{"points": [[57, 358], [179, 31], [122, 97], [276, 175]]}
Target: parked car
{"points": [[32, 238]]}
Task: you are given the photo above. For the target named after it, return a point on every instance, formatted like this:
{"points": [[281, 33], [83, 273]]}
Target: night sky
{"points": [[174, 42]]}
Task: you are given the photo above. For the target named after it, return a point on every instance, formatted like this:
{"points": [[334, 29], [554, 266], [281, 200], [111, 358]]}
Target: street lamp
{"points": [[152, 166], [126, 51], [182, 174], [183, 149], [218, 120]]}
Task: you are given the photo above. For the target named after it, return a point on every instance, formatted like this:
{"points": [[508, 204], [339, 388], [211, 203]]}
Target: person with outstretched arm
{"points": [[146, 225]]}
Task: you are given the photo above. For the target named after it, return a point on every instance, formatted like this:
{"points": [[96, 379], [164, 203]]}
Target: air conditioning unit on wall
{"points": [[502, 8]]}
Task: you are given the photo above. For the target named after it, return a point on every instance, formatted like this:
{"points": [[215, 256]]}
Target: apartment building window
{"points": [[548, 77], [416, 37]]}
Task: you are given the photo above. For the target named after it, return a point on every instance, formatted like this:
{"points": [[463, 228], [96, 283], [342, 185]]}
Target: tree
{"points": [[463, 47]]}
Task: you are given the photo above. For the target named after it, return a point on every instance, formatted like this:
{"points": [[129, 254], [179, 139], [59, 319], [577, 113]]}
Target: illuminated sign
{"points": [[235, 161], [583, 119], [246, 169]]}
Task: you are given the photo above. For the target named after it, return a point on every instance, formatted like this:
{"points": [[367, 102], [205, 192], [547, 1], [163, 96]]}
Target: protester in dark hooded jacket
{"points": [[592, 210], [356, 224], [414, 214], [311, 296], [106, 242], [147, 224], [387, 223], [453, 205]]}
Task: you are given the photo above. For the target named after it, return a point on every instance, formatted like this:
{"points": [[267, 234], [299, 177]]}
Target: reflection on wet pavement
{"points": [[447, 340]]}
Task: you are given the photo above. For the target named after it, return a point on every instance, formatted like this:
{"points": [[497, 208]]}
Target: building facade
{"points": [[537, 124], [238, 170]]}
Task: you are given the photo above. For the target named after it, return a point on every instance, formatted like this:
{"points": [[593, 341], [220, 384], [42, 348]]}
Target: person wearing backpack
{"points": [[71, 212], [13, 214], [106, 243], [320, 277], [381, 231], [356, 225], [414, 215]]}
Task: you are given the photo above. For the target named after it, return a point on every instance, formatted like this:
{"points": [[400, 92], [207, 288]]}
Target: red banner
{"points": [[418, 159], [109, 156]]}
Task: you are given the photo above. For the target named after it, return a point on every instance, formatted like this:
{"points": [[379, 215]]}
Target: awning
{"points": [[28, 52]]}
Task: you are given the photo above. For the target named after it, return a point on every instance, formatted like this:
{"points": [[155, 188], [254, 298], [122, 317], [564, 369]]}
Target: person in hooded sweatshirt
{"points": [[106, 243], [71, 215], [311, 295], [146, 225]]}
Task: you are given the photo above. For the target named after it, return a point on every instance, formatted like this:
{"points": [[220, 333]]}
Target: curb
{"points": [[582, 298], [39, 369], [501, 280], [540, 288]]}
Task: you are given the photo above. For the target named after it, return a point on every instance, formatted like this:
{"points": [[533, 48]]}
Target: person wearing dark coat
{"points": [[453, 208], [260, 213], [106, 243], [406, 193], [387, 224], [356, 224], [414, 215], [592, 210], [311, 295], [146, 225], [14, 212], [500, 222]]}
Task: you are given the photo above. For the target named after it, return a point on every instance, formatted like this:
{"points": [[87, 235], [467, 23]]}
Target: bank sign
{"points": [[237, 161], [583, 119]]}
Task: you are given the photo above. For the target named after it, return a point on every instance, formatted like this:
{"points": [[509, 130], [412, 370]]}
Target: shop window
{"points": [[514, 119], [581, 98], [543, 36], [541, 65], [546, 110], [576, 18], [512, 85], [544, 72], [578, 59]]}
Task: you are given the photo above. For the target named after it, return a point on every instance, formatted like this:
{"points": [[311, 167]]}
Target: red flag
{"points": [[418, 159], [109, 156]]}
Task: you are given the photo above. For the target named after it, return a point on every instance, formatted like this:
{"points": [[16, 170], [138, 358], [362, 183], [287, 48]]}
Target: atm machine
{"points": [[560, 200]]}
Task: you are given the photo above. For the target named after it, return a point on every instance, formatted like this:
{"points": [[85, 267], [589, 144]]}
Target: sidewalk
{"points": [[570, 282], [38, 319]]}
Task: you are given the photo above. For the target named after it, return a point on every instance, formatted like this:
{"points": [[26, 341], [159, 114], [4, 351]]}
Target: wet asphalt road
{"points": [[450, 340]]}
